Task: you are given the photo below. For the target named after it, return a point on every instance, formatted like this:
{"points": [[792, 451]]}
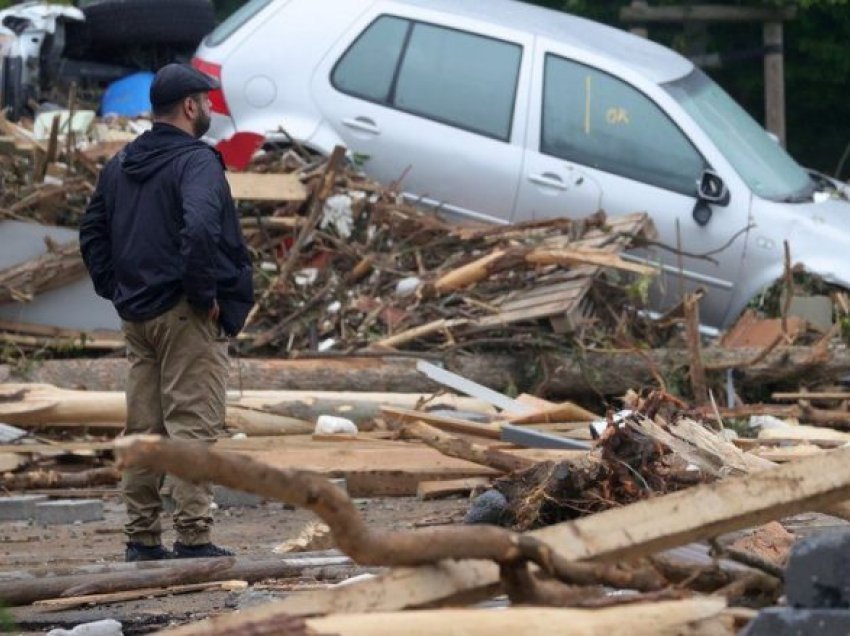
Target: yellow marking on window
{"points": [[587, 87], [617, 116]]}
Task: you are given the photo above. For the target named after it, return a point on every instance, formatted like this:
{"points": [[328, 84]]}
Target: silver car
{"points": [[499, 110]]}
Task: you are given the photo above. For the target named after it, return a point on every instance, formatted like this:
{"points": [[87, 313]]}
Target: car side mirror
{"points": [[711, 189]]}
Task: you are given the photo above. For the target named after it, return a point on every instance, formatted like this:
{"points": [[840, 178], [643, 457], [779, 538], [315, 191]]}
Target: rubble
{"points": [[626, 498]]}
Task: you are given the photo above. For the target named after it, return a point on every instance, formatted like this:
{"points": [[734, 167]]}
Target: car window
{"points": [[368, 67], [235, 21], [459, 78], [599, 121]]}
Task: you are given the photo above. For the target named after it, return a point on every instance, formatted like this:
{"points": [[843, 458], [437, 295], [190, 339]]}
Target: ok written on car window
{"points": [[596, 120]]}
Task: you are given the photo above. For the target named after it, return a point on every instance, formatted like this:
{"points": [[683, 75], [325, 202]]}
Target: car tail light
{"points": [[217, 101]]}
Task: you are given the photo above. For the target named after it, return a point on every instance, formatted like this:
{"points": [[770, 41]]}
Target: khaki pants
{"points": [[176, 388]]}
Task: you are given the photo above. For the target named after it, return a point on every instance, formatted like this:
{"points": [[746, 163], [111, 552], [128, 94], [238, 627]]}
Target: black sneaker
{"points": [[140, 552], [203, 551]]}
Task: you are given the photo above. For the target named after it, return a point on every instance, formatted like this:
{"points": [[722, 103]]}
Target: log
{"points": [[464, 449], [60, 266], [23, 591], [257, 413], [610, 372], [49, 479], [62, 604], [633, 531]]}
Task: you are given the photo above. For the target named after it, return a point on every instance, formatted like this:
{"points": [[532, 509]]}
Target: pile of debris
{"points": [[597, 503]]}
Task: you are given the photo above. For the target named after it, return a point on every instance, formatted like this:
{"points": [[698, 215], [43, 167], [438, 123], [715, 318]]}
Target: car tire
{"points": [[113, 24]]}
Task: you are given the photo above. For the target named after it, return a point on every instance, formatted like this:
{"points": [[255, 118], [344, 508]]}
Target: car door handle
{"points": [[548, 179], [363, 124]]}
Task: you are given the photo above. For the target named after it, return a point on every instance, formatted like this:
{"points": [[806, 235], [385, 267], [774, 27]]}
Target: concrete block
{"points": [[20, 508], [68, 511], [788, 621], [227, 498], [818, 572]]}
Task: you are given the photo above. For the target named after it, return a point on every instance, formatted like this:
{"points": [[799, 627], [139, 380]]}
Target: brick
{"points": [[789, 621], [818, 572], [68, 511], [20, 508]]}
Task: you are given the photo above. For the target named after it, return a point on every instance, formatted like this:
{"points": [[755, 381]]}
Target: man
{"points": [[161, 239]]}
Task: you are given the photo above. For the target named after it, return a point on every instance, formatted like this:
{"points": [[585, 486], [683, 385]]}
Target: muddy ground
{"points": [[251, 532]]}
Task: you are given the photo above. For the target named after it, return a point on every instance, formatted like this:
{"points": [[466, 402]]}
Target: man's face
{"points": [[201, 116]]}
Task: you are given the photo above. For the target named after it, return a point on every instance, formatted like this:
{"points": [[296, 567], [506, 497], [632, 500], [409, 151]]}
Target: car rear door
{"points": [[434, 101], [596, 141]]}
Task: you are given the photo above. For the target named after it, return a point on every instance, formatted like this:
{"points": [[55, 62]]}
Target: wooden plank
{"points": [[566, 411], [647, 619], [801, 431], [533, 313], [532, 301], [632, 531], [707, 13], [251, 186], [436, 489], [453, 424]]}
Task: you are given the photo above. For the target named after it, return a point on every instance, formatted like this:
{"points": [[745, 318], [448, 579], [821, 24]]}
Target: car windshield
{"points": [[761, 162]]}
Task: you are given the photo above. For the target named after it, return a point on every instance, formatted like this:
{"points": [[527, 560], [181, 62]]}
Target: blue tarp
{"points": [[129, 96]]}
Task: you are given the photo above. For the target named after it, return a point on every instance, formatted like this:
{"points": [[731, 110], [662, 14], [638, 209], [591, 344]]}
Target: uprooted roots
{"points": [[626, 467]]}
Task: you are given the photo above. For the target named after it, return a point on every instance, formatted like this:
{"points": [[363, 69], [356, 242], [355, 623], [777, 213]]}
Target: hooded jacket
{"points": [[162, 225]]}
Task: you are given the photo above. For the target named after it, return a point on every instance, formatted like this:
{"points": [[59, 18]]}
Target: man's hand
{"points": [[215, 312]]}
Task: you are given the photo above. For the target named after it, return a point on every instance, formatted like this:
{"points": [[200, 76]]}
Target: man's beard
{"points": [[201, 125]]}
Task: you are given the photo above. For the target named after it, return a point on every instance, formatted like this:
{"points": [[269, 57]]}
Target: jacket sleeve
{"points": [[96, 244], [201, 188]]}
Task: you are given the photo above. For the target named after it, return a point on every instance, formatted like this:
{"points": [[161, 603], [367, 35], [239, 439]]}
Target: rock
{"points": [[771, 542], [490, 507], [818, 573], [788, 621], [107, 627]]}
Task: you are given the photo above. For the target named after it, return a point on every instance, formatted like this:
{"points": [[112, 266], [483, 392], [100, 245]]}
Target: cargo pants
{"points": [[176, 388]]}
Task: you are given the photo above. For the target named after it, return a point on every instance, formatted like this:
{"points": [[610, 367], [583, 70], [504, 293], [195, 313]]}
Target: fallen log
{"points": [[256, 413], [608, 372], [133, 576], [464, 449], [633, 531], [49, 479], [62, 604]]}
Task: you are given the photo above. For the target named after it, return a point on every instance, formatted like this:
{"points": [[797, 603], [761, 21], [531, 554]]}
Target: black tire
{"points": [[116, 24]]}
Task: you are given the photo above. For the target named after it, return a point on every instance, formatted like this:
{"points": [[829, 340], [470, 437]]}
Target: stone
{"points": [[68, 511], [490, 507], [818, 572], [20, 507], [789, 621]]}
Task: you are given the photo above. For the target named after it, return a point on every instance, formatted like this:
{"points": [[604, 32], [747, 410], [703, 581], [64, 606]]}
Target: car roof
{"points": [[655, 62]]}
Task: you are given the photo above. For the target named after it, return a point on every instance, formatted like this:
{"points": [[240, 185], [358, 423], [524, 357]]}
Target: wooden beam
{"points": [[706, 13], [249, 186], [647, 619], [437, 489], [633, 531], [442, 422]]}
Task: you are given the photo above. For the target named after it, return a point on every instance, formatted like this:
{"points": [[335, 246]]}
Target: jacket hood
{"points": [[155, 149]]}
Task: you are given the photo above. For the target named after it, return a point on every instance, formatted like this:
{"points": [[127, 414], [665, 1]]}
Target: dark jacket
{"points": [[162, 225]]}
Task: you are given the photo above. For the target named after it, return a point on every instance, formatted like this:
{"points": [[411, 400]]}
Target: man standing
{"points": [[161, 239]]}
